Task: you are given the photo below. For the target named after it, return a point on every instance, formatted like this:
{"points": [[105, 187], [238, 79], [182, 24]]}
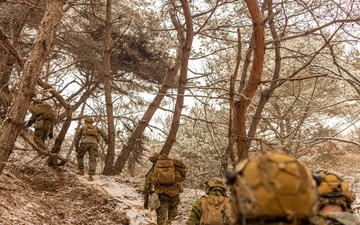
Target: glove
{"points": [[51, 136], [146, 203]]}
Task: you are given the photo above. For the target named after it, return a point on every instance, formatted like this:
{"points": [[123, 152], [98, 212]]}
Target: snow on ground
{"points": [[130, 198], [31, 193]]}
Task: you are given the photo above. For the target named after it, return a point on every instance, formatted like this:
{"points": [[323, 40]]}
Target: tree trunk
{"points": [[154, 105], [144, 121], [77, 128], [107, 84], [230, 147], [65, 126], [14, 121], [7, 65], [85, 96], [187, 43], [265, 96], [254, 78]]}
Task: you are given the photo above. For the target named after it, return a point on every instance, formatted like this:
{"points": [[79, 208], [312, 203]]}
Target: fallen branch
{"points": [[21, 149], [41, 151]]}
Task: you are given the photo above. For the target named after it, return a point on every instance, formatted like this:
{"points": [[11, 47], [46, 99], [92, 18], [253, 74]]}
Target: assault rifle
{"points": [[150, 170]]}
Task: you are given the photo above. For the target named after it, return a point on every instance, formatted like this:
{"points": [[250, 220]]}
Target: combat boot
{"points": [[80, 172], [90, 177]]}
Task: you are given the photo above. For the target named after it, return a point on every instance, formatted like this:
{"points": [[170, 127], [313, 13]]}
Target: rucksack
{"points": [[164, 171], [90, 130], [214, 208], [181, 168], [44, 110]]}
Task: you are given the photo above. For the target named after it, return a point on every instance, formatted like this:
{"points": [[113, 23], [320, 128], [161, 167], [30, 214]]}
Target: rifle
{"points": [[150, 170], [150, 190]]}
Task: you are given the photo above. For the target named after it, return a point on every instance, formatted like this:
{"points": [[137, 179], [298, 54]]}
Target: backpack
{"points": [[181, 168], [214, 210], [164, 172], [90, 130], [44, 111]]}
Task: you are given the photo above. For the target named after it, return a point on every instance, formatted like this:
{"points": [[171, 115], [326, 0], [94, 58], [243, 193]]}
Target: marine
{"points": [[164, 184], [335, 199], [272, 188], [43, 117], [213, 208], [87, 141]]}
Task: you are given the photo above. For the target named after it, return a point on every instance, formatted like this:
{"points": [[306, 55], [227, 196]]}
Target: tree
{"points": [[32, 69], [278, 97], [180, 63], [186, 43], [109, 104], [248, 92]]}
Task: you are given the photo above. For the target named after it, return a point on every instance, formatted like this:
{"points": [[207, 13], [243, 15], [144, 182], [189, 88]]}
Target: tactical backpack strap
{"points": [[205, 211], [226, 210], [39, 116], [181, 169]]}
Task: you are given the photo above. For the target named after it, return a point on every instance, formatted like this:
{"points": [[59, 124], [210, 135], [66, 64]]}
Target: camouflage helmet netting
{"points": [[273, 185], [154, 157], [215, 183], [89, 119], [334, 191], [37, 101]]}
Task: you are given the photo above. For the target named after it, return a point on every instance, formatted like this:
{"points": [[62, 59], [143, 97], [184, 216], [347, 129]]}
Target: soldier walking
{"points": [[213, 208], [164, 181], [87, 140], [43, 118]]}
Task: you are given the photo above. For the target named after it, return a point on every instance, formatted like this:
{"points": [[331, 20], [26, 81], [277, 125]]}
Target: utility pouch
{"points": [[47, 125], [39, 124], [154, 202]]}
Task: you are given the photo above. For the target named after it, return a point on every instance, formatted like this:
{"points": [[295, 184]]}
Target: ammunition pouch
{"points": [[154, 201]]}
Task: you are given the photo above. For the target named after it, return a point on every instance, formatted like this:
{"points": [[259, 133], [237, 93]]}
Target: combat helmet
{"points": [[333, 190], [37, 101], [89, 119], [154, 157], [272, 187], [215, 183]]}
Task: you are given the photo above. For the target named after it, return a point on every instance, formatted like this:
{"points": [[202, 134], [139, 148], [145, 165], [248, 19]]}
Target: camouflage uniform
{"points": [[197, 209], [195, 213], [334, 191], [88, 143], [40, 135], [169, 200]]}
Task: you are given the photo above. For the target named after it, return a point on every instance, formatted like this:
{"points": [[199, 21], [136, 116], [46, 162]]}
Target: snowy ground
{"points": [[31, 193]]}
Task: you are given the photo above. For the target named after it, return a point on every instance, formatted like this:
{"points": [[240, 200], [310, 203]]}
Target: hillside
{"points": [[33, 193]]}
